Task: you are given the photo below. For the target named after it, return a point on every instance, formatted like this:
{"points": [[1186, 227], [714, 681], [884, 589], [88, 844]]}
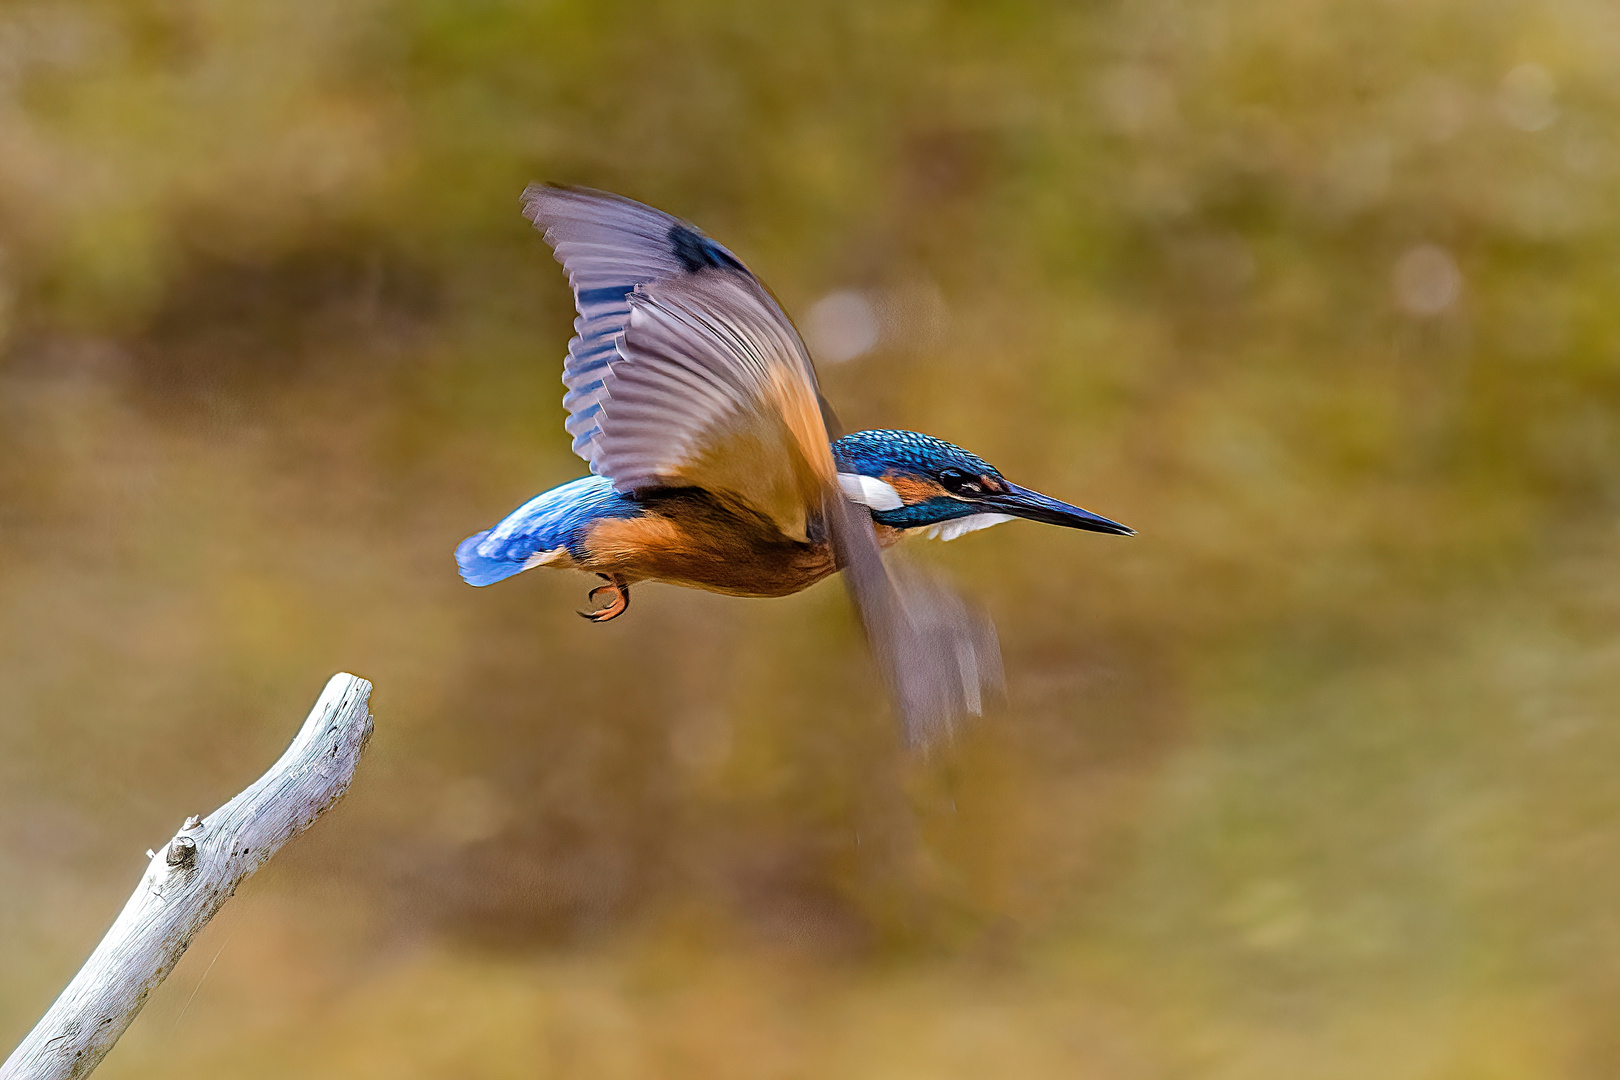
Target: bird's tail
{"points": [[479, 569]]}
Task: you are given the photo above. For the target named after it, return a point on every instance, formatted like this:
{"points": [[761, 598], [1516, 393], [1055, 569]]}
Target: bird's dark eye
{"points": [[960, 483]]}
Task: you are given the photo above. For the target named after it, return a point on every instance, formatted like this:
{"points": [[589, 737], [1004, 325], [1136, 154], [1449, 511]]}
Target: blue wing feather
{"points": [[609, 245]]}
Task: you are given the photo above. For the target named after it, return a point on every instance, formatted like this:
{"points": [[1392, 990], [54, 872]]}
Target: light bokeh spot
{"points": [[1427, 280], [1525, 99], [842, 325], [1136, 99]]}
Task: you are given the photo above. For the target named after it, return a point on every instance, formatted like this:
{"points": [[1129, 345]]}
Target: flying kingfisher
{"points": [[714, 460]]}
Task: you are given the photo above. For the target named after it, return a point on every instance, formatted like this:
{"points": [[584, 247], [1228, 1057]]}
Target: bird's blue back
{"points": [[554, 519]]}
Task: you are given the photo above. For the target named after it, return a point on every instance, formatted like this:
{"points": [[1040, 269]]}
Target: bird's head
{"points": [[909, 480]]}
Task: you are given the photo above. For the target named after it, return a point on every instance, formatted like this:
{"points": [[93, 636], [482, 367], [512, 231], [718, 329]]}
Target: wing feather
{"points": [[714, 390], [608, 245], [683, 371]]}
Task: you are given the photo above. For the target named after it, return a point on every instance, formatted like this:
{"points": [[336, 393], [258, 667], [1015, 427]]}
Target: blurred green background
{"points": [[1316, 777]]}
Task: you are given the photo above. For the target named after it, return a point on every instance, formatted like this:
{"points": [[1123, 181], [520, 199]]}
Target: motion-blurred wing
{"points": [[940, 658], [683, 371]]}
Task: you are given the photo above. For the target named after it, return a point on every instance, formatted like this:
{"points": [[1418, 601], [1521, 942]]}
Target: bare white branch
{"points": [[189, 880]]}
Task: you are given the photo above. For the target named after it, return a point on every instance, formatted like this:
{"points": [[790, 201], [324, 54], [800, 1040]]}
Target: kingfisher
{"points": [[716, 464]]}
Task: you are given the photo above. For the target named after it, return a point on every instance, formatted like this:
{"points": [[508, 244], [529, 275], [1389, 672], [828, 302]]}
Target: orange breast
{"points": [[692, 538]]}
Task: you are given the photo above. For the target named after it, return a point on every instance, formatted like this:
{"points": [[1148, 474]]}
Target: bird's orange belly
{"points": [[706, 550]]}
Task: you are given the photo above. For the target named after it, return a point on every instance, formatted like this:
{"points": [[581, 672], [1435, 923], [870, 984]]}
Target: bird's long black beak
{"points": [[1024, 503]]}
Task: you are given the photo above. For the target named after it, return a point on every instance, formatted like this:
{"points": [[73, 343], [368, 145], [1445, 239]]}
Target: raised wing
{"points": [[683, 371]]}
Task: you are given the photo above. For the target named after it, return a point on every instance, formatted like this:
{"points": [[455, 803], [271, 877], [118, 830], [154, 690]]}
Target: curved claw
{"points": [[616, 606]]}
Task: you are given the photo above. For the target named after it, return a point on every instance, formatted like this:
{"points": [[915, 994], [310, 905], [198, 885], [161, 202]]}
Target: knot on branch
{"points": [[182, 853]]}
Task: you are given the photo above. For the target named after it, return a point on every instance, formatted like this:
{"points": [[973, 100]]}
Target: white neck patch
{"points": [[869, 491], [950, 530]]}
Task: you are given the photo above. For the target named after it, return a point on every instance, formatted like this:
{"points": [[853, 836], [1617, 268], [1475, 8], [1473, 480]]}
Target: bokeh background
{"points": [[1316, 777]]}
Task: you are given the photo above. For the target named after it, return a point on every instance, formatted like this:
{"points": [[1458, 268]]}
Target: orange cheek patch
{"points": [[912, 490]]}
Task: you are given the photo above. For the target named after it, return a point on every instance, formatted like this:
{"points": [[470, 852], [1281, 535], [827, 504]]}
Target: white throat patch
{"points": [[950, 530]]}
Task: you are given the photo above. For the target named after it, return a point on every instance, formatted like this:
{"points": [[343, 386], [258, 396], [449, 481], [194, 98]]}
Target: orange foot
{"points": [[618, 605]]}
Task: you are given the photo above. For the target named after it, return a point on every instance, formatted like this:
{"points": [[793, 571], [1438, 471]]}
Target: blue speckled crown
{"points": [[873, 453]]}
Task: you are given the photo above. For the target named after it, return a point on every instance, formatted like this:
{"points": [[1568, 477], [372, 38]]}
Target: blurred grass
{"points": [[1308, 780]]}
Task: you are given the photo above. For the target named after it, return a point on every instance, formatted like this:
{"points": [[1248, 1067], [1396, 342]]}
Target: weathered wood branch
{"points": [[189, 880]]}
